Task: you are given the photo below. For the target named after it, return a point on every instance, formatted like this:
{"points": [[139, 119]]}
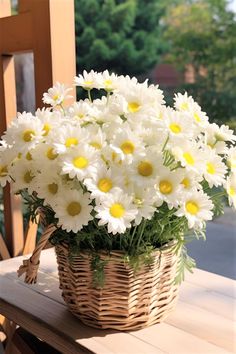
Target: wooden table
{"points": [[203, 322]]}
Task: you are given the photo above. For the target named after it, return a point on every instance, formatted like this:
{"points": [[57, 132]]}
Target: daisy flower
{"points": [[190, 155], [197, 207], [44, 155], [49, 120], [56, 95], [48, 185], [215, 169], [191, 180], [89, 80], [178, 124], [25, 132], [80, 162], [68, 136], [168, 186], [104, 182], [109, 81], [72, 209], [116, 211], [230, 187], [23, 174], [81, 111], [183, 102]]}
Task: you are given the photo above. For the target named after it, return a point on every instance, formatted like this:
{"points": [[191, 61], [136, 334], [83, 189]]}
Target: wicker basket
{"points": [[128, 300]]}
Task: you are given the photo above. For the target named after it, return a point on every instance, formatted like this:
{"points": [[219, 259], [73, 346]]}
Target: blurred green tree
{"points": [[123, 36], [203, 33]]}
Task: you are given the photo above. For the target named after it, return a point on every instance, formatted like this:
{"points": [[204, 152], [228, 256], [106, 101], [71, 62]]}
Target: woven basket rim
{"points": [[164, 248]]}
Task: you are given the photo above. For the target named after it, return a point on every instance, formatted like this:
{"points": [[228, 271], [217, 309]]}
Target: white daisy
{"points": [[215, 169], [48, 185], [168, 186], [89, 80], [56, 95], [73, 209], [44, 155], [109, 81], [25, 132], [178, 124], [80, 162], [197, 208], [116, 211], [190, 155], [81, 111], [183, 102], [68, 136], [23, 174], [231, 189]]}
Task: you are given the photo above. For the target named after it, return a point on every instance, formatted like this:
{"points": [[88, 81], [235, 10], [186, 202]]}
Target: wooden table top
{"points": [[203, 322]]}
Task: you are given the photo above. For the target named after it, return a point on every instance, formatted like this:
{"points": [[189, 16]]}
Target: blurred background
{"points": [[182, 45]]}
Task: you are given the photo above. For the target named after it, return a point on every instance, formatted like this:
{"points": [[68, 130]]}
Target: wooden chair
{"points": [[46, 28]]}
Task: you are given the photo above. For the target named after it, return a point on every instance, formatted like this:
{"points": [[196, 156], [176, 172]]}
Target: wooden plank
{"points": [[180, 341], [53, 323], [204, 324], [3, 249], [30, 238], [209, 300], [212, 281]]}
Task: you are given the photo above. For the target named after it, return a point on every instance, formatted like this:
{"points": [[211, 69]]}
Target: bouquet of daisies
{"points": [[123, 171]]}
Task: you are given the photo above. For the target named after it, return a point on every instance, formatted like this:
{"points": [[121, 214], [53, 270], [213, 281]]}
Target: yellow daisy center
{"points": [[186, 182], [232, 191], [165, 187], [88, 83], [127, 147], [46, 128], [184, 106], [117, 210], [189, 158], [51, 154], [192, 207], [53, 188], [211, 168], [71, 141], [145, 168], [134, 107], [28, 177], [107, 83], [74, 208], [197, 118], [175, 128], [3, 171], [28, 156], [105, 184], [80, 162], [28, 135], [80, 115], [96, 145], [55, 97]]}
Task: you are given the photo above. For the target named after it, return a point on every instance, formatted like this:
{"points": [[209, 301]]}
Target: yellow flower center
{"points": [[88, 83], [55, 97], [184, 106], [80, 115], [28, 135], [138, 202], [46, 128], [175, 128], [105, 184], [53, 188], [80, 162], [210, 168], [28, 177], [74, 208], [188, 158], [232, 191], [134, 107], [3, 171], [28, 156], [71, 141], [127, 147], [145, 168], [107, 83], [117, 210], [96, 145], [197, 118], [186, 182], [192, 207], [51, 154], [165, 187]]}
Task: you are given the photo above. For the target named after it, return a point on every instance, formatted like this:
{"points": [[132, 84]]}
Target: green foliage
{"points": [[202, 33], [123, 36]]}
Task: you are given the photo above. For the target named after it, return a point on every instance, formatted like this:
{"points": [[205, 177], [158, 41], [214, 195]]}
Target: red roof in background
{"points": [[166, 75]]}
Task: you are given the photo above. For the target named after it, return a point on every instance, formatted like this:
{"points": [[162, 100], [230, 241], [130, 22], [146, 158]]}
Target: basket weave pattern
{"points": [[127, 301]]}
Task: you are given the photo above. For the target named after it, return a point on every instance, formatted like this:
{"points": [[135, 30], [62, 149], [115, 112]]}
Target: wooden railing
{"points": [[46, 28]]}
